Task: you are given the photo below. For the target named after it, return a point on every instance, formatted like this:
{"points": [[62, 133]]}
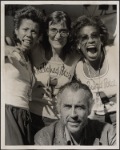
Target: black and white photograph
{"points": [[59, 75]]}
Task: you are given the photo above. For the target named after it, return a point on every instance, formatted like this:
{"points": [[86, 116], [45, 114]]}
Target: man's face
{"points": [[74, 110]]}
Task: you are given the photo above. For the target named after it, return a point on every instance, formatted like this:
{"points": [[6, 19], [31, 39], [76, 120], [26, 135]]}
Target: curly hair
{"points": [[29, 12], [85, 21]]}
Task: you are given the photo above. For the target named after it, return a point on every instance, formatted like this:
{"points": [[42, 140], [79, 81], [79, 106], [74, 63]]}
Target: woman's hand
{"points": [[12, 51], [9, 50], [48, 92], [42, 93]]}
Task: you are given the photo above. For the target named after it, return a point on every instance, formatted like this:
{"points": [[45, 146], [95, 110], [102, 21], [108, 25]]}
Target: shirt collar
{"points": [[69, 138]]}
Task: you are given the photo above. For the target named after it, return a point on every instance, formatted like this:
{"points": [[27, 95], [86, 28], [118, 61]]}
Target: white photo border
{"points": [[3, 3]]}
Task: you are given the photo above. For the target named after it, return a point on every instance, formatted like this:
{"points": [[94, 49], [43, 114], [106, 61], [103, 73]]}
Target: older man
{"points": [[74, 128]]}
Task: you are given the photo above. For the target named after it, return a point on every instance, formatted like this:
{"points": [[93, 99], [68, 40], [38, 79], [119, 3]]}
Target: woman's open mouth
{"points": [[92, 51]]}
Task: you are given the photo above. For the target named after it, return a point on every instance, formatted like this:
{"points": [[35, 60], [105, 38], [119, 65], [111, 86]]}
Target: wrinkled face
{"points": [[58, 34], [74, 110], [27, 33], [90, 43]]}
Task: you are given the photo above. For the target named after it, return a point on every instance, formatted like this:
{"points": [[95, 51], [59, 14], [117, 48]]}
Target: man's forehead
{"points": [[69, 94]]}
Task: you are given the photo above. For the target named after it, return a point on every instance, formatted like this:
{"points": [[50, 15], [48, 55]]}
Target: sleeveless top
{"points": [[19, 81]]}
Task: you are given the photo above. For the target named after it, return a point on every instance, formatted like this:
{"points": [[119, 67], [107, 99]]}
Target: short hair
{"points": [[29, 12], [54, 18], [57, 17], [75, 86], [83, 21]]}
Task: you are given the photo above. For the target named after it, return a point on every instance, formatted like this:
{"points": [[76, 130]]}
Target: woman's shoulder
{"points": [[112, 51], [111, 48]]}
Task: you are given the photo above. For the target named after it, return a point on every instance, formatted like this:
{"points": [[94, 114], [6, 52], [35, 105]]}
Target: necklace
{"points": [[92, 78], [98, 101]]}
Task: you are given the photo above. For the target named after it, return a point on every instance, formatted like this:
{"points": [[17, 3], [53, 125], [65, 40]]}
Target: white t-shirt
{"points": [[61, 71], [106, 83]]}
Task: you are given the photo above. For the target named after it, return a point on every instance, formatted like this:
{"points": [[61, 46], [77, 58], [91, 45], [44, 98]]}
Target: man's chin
{"points": [[73, 128]]}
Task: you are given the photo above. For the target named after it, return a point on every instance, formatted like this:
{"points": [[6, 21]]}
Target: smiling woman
{"points": [[56, 69], [19, 78], [27, 33], [98, 64]]}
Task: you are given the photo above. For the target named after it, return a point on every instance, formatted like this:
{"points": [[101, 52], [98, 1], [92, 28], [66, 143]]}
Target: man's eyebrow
{"points": [[80, 105], [67, 104]]}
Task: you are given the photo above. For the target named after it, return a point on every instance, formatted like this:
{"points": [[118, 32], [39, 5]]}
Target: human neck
{"points": [[57, 54], [56, 51]]}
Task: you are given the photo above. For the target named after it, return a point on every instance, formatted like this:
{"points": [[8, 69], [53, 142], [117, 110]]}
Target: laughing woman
{"points": [[19, 77], [98, 67]]}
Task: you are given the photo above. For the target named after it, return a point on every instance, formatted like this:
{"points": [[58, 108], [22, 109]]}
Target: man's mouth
{"points": [[74, 122]]}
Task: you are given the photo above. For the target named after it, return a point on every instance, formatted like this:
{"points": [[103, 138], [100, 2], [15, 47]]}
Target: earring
{"points": [[79, 46]]}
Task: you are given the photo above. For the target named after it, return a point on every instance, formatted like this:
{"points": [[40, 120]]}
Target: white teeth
{"points": [[27, 41], [91, 47]]}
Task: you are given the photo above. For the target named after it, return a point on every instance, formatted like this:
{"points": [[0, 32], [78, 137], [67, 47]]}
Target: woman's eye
{"points": [[95, 35], [83, 38], [64, 31], [34, 32], [53, 30]]}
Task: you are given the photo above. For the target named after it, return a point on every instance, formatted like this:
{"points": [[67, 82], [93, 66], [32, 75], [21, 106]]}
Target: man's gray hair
{"points": [[75, 86]]}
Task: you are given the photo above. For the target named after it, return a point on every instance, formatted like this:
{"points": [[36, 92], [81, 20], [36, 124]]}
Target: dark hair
{"points": [[57, 17], [29, 12], [84, 21], [76, 86], [54, 18]]}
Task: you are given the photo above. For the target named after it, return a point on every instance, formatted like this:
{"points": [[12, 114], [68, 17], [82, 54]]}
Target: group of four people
{"points": [[48, 66]]}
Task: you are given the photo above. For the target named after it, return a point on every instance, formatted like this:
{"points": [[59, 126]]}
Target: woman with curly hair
{"points": [[19, 78], [98, 65]]}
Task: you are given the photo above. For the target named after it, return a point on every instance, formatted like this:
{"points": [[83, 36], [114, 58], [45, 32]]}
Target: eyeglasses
{"points": [[62, 32], [85, 38]]}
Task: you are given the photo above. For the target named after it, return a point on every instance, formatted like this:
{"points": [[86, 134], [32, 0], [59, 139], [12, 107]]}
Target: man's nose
{"points": [[73, 112]]}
